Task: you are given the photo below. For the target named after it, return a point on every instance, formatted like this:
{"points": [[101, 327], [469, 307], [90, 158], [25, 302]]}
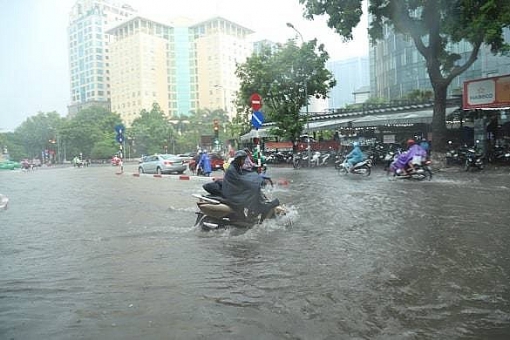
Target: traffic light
{"points": [[120, 137], [119, 129], [216, 129]]}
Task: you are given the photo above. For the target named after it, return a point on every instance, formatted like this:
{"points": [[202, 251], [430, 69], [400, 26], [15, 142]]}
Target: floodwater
{"points": [[88, 254]]}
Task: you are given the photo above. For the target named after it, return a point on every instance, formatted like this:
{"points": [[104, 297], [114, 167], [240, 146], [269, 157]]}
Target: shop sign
{"points": [[491, 92]]}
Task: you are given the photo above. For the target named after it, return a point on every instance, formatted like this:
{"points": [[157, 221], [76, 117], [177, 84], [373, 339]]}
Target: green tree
{"points": [[152, 131], [199, 123], [11, 141], [285, 78], [90, 126], [435, 26], [36, 133], [420, 95]]}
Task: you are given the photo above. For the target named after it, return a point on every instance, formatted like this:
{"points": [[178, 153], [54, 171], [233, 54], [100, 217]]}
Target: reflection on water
{"points": [[87, 253]]}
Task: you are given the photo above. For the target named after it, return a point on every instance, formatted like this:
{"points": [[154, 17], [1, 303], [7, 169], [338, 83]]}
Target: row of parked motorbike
{"points": [[473, 158]]}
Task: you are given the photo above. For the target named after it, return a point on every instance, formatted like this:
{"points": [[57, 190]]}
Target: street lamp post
{"points": [[309, 151]]}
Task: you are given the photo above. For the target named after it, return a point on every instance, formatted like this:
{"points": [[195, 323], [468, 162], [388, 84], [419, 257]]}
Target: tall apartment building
{"points": [[220, 45], [351, 75], [151, 63], [397, 68], [89, 58]]}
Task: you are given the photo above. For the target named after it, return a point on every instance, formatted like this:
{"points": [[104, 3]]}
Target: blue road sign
{"points": [[119, 137], [257, 118]]}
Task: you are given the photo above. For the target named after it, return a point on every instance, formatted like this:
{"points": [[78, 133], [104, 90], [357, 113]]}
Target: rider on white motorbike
{"points": [[353, 157]]}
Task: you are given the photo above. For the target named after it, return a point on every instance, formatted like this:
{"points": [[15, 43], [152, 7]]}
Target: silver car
{"points": [[161, 164]]}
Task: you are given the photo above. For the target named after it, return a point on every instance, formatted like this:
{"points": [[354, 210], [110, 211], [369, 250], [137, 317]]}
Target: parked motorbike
{"points": [[474, 160], [339, 159], [325, 158], [361, 168], [300, 160], [455, 155], [316, 158], [499, 154], [215, 212]]}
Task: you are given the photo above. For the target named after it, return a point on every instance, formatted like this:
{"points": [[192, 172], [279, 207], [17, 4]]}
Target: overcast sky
{"points": [[34, 71]]}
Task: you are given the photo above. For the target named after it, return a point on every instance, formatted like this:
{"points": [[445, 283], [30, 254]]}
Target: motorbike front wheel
{"points": [[466, 165], [342, 170], [427, 174]]}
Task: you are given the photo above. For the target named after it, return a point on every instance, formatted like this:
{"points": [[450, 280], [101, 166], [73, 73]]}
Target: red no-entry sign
{"points": [[256, 101]]}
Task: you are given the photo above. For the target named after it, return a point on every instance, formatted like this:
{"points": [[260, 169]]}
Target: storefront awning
{"points": [[327, 124], [262, 133], [415, 117]]}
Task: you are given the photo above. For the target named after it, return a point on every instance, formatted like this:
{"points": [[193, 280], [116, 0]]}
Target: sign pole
{"points": [[119, 128], [259, 156], [257, 118]]}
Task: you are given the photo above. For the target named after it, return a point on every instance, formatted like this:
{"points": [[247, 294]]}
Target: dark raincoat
{"points": [[243, 188]]}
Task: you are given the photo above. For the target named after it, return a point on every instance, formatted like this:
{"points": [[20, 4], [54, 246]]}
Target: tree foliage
{"points": [[90, 126], [435, 26], [285, 78], [35, 134], [151, 131]]}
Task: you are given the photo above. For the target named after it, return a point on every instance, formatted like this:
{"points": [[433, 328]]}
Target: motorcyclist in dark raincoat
{"points": [[243, 188]]}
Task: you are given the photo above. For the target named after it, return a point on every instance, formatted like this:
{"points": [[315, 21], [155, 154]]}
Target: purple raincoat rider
{"points": [[407, 159]]}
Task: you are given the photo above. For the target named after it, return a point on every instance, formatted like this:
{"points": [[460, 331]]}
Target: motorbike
{"points": [[421, 171], [499, 154], [215, 212], [474, 160], [363, 168], [316, 159], [455, 156], [325, 158], [300, 160]]}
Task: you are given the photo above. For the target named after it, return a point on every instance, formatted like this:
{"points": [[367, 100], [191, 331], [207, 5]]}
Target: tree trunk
{"points": [[439, 131]]}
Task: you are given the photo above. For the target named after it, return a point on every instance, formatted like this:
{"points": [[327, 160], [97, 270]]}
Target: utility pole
{"points": [[308, 148]]}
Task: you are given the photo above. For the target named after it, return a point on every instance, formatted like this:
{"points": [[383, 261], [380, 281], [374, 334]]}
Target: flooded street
{"points": [[88, 254]]}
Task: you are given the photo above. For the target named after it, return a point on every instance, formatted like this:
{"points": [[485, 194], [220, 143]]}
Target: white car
{"points": [[161, 164]]}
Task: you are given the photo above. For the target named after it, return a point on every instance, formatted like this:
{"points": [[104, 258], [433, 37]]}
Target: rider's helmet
{"points": [[410, 142], [355, 144], [240, 154]]}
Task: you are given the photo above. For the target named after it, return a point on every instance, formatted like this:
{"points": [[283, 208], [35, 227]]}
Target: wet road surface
{"points": [[89, 254]]}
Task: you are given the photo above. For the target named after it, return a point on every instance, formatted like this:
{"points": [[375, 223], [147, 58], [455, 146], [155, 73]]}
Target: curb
{"points": [[279, 181], [172, 177]]}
